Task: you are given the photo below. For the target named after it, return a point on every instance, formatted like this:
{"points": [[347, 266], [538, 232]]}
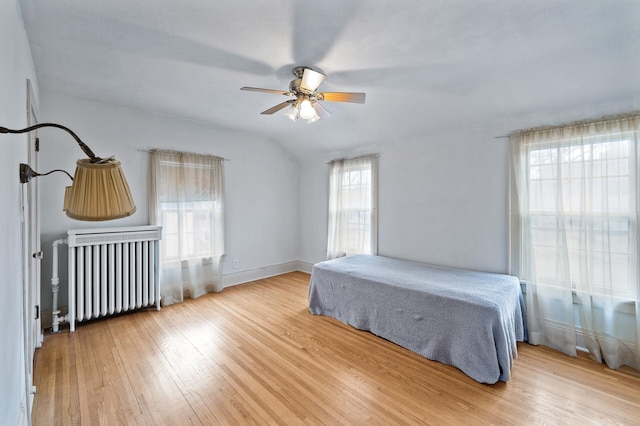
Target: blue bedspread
{"points": [[470, 320]]}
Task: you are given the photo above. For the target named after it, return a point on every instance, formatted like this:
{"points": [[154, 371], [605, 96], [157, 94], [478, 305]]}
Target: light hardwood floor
{"points": [[253, 354]]}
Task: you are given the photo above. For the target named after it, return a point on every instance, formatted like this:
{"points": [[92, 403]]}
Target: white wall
{"points": [[15, 68], [261, 180], [442, 199], [443, 196]]}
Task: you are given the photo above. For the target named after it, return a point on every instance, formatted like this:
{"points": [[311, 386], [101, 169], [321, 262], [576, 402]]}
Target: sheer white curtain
{"points": [[576, 240], [186, 197], [353, 207]]}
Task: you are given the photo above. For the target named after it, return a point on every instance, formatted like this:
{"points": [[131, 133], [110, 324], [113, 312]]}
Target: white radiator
{"points": [[112, 270]]}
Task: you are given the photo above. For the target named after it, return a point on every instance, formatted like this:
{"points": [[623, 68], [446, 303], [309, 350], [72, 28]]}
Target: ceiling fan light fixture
{"points": [[311, 80], [306, 109], [313, 119], [291, 113]]}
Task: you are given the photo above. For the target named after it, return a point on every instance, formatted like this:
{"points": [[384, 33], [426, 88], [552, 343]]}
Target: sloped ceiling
{"points": [[425, 65]]}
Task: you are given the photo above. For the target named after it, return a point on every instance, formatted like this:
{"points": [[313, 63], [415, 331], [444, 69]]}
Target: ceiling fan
{"points": [[306, 104]]}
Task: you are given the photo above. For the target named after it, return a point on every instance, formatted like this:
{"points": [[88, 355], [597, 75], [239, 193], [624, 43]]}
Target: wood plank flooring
{"points": [[253, 354]]}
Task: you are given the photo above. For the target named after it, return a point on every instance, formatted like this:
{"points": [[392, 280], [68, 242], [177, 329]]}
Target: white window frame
{"points": [[344, 205], [623, 293]]}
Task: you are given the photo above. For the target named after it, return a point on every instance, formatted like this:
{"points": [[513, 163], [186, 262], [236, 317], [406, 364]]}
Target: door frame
{"points": [[32, 255]]}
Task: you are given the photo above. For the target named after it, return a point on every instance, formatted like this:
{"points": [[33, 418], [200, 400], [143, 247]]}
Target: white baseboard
{"points": [[242, 277], [305, 266]]}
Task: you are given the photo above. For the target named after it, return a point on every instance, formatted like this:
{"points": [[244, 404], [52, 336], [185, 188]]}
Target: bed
{"points": [[470, 320]]}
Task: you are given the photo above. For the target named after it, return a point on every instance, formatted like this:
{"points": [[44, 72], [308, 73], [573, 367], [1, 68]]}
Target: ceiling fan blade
{"points": [[357, 98], [311, 79], [320, 110], [278, 107], [257, 89], [314, 38]]}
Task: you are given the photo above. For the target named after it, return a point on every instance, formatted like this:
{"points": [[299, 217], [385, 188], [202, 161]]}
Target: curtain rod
{"points": [[354, 158], [577, 123], [181, 152]]}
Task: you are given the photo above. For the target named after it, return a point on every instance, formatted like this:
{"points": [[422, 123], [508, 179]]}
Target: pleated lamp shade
{"points": [[99, 192]]}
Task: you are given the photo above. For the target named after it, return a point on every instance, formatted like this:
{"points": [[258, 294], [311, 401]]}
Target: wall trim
{"points": [[305, 266], [249, 275]]}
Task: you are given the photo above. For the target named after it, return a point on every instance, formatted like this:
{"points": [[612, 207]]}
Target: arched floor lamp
{"points": [[99, 190]]}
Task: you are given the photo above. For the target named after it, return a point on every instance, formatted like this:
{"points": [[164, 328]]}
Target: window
{"points": [[353, 213], [575, 237], [580, 199], [186, 198], [188, 229], [579, 208]]}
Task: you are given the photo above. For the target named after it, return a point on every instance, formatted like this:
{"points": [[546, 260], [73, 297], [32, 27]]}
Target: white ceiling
{"points": [[424, 64]]}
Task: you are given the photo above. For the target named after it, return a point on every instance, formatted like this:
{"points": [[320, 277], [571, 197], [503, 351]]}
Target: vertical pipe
{"points": [[72, 288], [111, 278], [145, 273], [102, 282], [118, 262], [55, 287], [138, 263], [88, 281], [152, 275], [80, 298], [156, 269], [125, 276], [132, 275]]}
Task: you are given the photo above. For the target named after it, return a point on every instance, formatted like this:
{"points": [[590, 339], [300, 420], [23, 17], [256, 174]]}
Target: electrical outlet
{"points": [[236, 263]]}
